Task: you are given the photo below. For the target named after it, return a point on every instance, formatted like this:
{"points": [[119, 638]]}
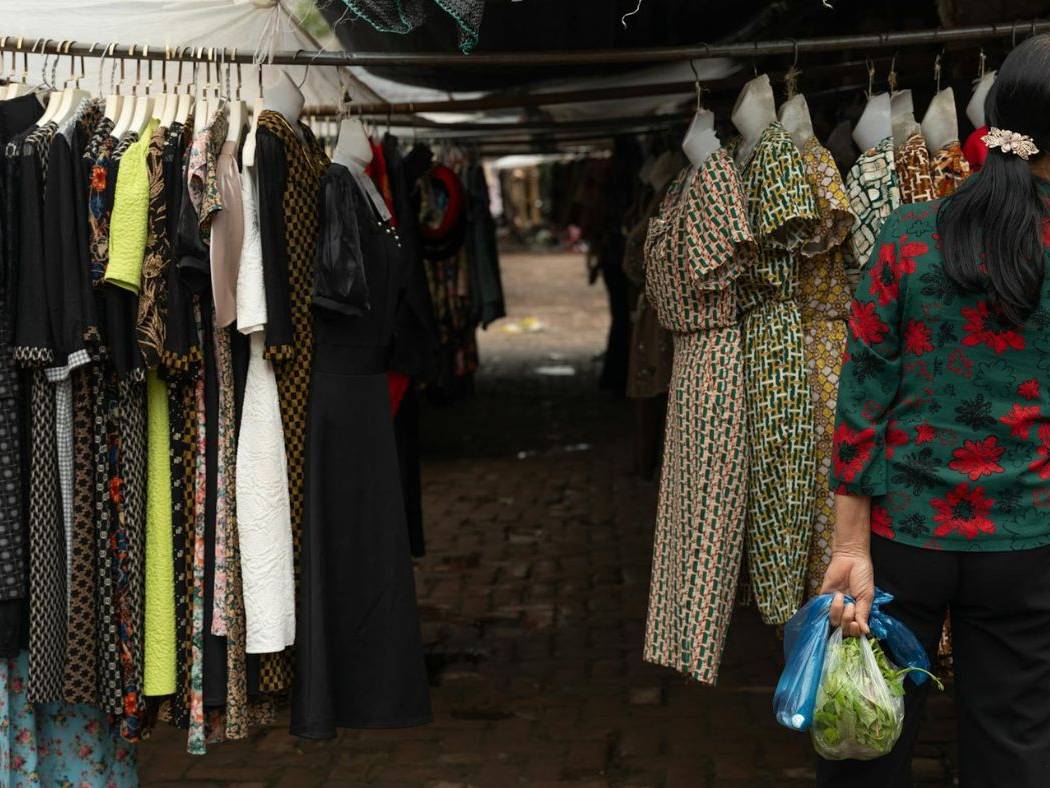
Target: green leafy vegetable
{"points": [[860, 701]]}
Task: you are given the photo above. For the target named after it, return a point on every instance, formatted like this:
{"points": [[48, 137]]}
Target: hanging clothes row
{"points": [[211, 336], [748, 263]]}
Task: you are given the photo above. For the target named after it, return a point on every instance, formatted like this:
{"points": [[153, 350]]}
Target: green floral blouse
{"points": [[943, 408]]}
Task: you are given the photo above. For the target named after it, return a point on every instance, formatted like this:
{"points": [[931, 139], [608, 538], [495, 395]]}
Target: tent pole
{"points": [[888, 40]]}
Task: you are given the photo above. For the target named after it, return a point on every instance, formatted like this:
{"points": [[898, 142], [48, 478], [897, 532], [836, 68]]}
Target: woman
{"points": [[942, 446]]}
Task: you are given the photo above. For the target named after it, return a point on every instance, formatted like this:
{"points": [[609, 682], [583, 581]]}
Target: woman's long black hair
{"points": [[991, 228]]}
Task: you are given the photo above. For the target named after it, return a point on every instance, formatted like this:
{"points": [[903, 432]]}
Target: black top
{"points": [[416, 340], [272, 167], [364, 249]]}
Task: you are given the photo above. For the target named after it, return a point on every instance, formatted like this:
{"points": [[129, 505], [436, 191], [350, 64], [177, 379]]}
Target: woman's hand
{"points": [[850, 572]]}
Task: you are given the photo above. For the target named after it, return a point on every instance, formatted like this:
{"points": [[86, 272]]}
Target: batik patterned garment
{"points": [[695, 248], [783, 216], [873, 193], [152, 306], [228, 618], [912, 161], [290, 350], [948, 168], [824, 296], [81, 678], [943, 406]]}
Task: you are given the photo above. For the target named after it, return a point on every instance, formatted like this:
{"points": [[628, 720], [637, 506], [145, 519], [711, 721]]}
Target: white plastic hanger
{"points": [[940, 124], [71, 95], [114, 100], [20, 88], [54, 98], [876, 122], [143, 101], [185, 103], [700, 139], [983, 83], [237, 109], [122, 124], [754, 111], [794, 112], [170, 105], [203, 106], [284, 96]]}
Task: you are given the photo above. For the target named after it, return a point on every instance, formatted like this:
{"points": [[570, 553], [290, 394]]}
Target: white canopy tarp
{"points": [[247, 25]]}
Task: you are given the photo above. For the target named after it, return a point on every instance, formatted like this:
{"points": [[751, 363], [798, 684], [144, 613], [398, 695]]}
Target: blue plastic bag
{"points": [[805, 641]]}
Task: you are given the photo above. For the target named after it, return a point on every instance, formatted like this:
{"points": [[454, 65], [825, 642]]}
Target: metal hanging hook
{"points": [[25, 61], [792, 74], [891, 78], [937, 70], [698, 86], [871, 76]]}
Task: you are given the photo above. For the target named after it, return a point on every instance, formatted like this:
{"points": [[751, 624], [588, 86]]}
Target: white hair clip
{"points": [[1010, 142]]}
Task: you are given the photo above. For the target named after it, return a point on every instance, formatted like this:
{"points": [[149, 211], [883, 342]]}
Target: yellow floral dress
{"points": [[783, 216], [824, 296]]}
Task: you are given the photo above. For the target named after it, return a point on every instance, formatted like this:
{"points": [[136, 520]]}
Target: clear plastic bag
{"points": [[858, 713]]}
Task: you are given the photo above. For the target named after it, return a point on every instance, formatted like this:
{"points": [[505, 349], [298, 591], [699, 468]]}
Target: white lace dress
{"points": [[263, 514]]}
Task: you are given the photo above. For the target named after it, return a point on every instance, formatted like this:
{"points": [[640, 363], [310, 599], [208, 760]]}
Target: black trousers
{"points": [[1000, 607]]}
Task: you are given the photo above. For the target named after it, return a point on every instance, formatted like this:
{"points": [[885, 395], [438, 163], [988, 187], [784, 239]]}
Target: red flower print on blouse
{"points": [[978, 458], [98, 178], [851, 450], [960, 364], [909, 250], [881, 524], [1041, 466], [1021, 419], [885, 282], [924, 433], [984, 327], [894, 437], [917, 336], [865, 323], [1046, 232], [1029, 389], [964, 511]]}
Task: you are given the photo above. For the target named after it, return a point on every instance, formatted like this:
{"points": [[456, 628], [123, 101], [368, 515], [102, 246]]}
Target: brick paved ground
{"points": [[533, 599]]}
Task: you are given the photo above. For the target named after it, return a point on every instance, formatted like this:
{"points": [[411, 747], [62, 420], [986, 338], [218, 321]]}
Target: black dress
{"points": [[359, 657]]}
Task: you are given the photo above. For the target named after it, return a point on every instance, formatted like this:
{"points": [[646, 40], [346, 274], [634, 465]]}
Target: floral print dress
{"points": [[783, 216], [57, 744], [824, 296], [943, 411], [696, 247]]}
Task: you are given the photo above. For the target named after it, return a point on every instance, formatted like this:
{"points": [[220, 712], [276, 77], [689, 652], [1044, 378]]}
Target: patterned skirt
{"points": [[780, 457], [700, 518], [825, 341]]}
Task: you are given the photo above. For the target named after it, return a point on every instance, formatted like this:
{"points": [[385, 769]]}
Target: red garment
{"points": [[377, 171], [397, 384], [975, 150]]}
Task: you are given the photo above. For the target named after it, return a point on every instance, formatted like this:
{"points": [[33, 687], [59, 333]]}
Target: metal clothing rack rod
{"points": [[785, 46], [578, 96], [499, 132]]}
